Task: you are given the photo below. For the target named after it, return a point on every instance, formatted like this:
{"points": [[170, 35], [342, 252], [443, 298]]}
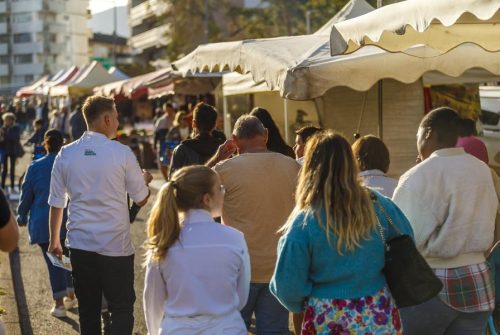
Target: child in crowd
{"points": [[36, 139], [198, 271]]}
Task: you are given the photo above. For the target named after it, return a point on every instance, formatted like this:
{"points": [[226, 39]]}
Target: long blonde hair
{"points": [[183, 192], [329, 180]]}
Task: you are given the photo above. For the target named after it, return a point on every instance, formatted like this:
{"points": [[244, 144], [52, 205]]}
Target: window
{"points": [[4, 59], [4, 80], [28, 78], [21, 18], [3, 18], [4, 38], [23, 59], [22, 38]]}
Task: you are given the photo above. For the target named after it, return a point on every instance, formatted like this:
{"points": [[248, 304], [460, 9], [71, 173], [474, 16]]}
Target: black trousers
{"points": [[95, 275], [12, 159]]}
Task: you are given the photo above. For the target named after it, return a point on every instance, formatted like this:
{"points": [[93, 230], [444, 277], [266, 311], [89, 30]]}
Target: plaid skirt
{"points": [[374, 315]]}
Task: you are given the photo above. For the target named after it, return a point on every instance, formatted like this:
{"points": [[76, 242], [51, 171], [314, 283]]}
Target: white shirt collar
{"points": [[96, 135], [448, 152], [198, 215], [374, 172], [300, 160]]}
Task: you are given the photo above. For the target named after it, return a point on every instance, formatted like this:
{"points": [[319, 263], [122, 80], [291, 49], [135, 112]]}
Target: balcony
{"points": [[34, 69], [145, 10], [27, 48], [154, 38], [4, 70], [58, 48], [22, 6], [58, 28], [57, 6], [28, 27], [4, 49]]}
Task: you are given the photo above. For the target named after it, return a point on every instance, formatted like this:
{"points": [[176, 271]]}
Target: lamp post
{"points": [[308, 21], [205, 22]]}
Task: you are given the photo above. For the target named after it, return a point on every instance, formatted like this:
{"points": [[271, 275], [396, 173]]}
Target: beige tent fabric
{"points": [[90, 76], [439, 24], [235, 83]]}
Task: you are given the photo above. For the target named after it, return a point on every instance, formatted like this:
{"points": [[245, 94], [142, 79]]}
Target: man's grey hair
{"points": [[248, 126]]}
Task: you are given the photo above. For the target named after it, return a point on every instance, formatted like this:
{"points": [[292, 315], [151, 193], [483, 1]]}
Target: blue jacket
{"points": [[308, 266], [34, 200]]}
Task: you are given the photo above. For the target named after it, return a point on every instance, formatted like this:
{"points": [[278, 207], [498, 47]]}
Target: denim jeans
{"points": [[95, 275], [270, 316], [434, 317], [60, 279]]}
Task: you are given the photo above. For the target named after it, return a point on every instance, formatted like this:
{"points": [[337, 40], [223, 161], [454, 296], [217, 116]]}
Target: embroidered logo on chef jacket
{"points": [[90, 152]]}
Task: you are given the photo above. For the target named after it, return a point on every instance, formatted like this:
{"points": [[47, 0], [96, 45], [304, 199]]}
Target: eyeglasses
{"points": [[222, 189]]}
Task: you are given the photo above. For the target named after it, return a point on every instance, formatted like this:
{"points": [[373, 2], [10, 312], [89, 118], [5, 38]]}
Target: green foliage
{"points": [[227, 21]]}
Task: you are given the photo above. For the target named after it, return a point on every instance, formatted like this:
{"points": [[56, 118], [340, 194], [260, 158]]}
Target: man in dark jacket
{"points": [[203, 146], [77, 124]]}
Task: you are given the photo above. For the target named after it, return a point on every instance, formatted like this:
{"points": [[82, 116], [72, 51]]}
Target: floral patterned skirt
{"points": [[370, 315]]}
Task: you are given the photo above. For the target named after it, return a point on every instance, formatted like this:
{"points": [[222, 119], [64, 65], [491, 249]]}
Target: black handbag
{"points": [[409, 277]]}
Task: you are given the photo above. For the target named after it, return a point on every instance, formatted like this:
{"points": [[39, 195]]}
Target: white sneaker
{"points": [[16, 189], [58, 312], [70, 303]]}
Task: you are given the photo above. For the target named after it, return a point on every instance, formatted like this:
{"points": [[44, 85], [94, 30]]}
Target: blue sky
{"points": [[97, 6]]}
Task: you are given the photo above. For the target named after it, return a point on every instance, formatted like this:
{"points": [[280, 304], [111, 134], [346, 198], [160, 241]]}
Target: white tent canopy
{"points": [[439, 24]]}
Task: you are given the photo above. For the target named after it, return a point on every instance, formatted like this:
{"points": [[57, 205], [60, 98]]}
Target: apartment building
{"points": [[39, 37], [110, 50], [149, 31], [148, 34]]}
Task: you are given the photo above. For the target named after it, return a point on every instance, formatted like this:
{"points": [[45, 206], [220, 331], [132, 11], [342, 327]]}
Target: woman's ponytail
{"points": [[163, 226]]}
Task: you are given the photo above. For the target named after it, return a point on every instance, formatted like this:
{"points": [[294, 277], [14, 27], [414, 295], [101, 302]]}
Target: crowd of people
{"points": [[300, 231]]}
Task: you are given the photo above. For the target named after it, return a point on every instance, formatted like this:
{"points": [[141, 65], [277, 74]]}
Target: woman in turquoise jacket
{"points": [[331, 255]]}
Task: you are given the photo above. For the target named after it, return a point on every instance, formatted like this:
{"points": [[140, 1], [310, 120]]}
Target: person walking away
{"points": [[275, 143], [219, 266], [9, 232], [33, 205], [77, 125], [331, 256], [200, 148], [180, 131], [260, 188], [9, 235], [12, 148], [372, 157], [96, 173], [451, 203], [467, 139], [37, 139], [162, 127], [301, 138]]}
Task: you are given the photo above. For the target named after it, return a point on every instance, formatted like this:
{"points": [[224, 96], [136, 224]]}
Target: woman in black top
{"points": [[275, 142], [11, 146]]}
